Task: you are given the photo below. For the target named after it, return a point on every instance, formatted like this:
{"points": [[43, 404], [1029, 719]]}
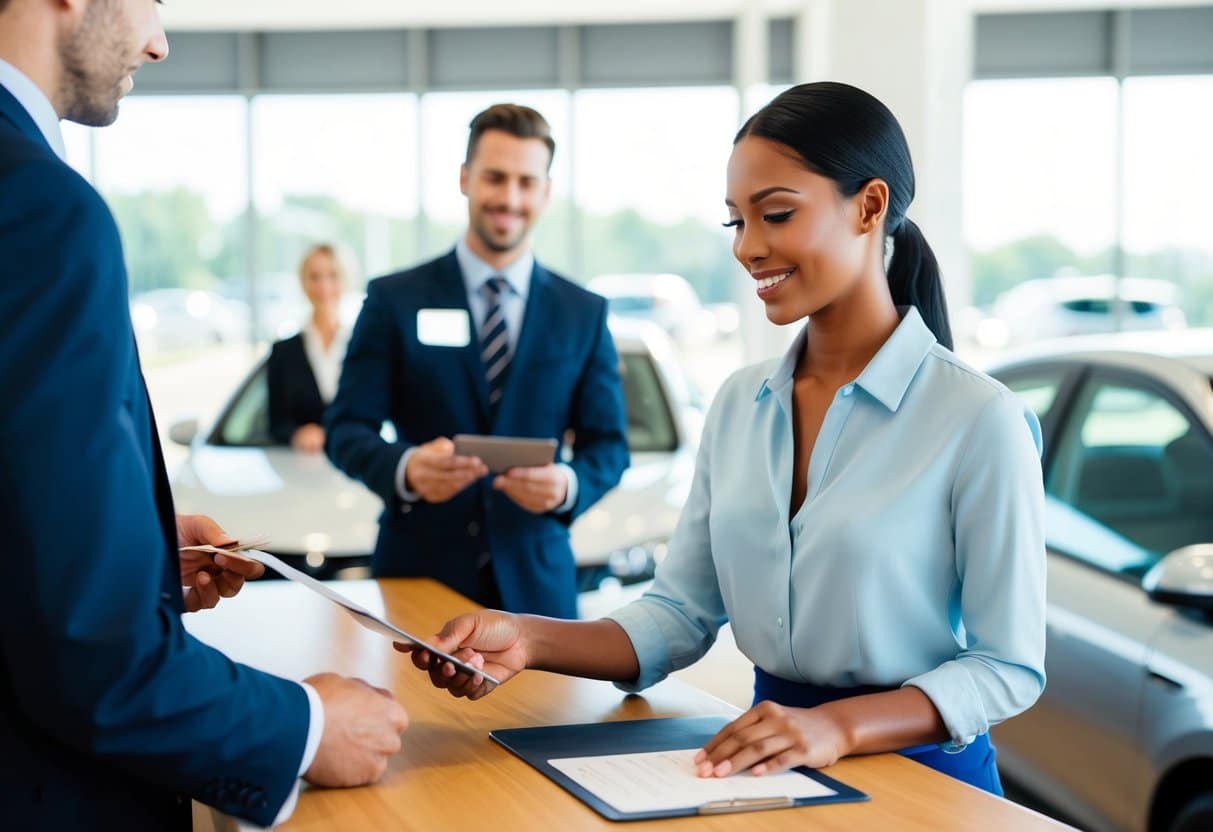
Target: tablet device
{"points": [[500, 453]]}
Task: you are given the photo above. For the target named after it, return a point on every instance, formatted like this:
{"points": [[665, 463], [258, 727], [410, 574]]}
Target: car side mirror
{"points": [[183, 432], [1184, 578]]}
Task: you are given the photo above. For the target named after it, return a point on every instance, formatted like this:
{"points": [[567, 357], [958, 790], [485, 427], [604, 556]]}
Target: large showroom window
{"points": [[650, 180], [1084, 205], [1168, 175], [1039, 179], [331, 168], [174, 172]]}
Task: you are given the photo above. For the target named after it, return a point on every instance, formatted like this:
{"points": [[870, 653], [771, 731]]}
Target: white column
{"points": [[916, 57]]}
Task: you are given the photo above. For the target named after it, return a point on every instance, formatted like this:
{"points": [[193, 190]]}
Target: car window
{"points": [[650, 424], [247, 422], [1132, 461], [1089, 306]]}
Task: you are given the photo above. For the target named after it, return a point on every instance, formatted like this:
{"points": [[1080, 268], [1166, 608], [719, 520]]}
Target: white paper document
{"points": [[360, 614], [665, 780]]}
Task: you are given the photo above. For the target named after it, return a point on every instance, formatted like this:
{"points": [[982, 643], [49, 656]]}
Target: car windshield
{"points": [[651, 429]]}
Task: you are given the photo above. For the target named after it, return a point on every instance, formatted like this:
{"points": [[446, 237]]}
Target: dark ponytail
{"points": [[914, 280], [844, 134]]}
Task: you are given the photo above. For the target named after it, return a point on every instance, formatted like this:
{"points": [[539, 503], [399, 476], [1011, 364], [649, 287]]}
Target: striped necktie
{"points": [[495, 350]]}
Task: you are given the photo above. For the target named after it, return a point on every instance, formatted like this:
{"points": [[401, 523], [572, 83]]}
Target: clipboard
{"points": [[536, 746]]}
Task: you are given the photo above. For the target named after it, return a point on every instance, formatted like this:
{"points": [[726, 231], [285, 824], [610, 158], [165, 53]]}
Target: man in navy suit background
{"points": [[484, 340], [111, 715]]}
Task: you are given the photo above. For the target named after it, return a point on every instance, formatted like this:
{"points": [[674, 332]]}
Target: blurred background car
{"points": [[1122, 738], [1062, 306], [666, 300], [320, 520], [167, 320]]}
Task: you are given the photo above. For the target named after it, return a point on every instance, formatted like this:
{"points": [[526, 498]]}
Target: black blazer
{"points": [[293, 393]]}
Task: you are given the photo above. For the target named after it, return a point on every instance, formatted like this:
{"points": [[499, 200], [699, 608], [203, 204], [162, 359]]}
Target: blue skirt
{"points": [[976, 765]]}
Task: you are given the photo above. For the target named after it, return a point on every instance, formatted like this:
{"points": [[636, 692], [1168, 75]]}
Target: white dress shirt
{"points": [[326, 362], [40, 110], [917, 557]]}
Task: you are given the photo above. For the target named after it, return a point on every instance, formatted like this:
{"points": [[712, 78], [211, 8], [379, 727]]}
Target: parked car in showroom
{"points": [[667, 300], [1122, 738], [184, 319], [317, 518], [1071, 305]]}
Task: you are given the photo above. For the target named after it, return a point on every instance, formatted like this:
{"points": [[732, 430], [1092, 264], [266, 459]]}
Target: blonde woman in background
{"points": [[303, 370]]}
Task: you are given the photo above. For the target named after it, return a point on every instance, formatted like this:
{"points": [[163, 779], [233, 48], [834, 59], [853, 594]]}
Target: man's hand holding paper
{"points": [[209, 575]]}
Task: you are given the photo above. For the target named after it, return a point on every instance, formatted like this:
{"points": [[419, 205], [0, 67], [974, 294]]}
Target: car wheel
{"points": [[1196, 815]]}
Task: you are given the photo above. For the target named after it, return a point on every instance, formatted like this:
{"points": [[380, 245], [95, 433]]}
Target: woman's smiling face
{"points": [[804, 244]]}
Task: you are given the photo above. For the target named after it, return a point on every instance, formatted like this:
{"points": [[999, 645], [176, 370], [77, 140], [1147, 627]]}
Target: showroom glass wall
{"points": [[221, 193], [1086, 154], [244, 149]]}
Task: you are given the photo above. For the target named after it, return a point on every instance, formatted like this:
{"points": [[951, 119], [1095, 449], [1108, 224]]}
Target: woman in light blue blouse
{"points": [[866, 511]]}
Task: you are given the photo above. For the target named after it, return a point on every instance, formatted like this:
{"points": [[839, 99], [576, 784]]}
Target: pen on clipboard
{"points": [[746, 804]]}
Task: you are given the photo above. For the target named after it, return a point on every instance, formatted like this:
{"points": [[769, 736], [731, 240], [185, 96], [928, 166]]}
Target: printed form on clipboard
{"points": [[660, 781], [644, 769]]}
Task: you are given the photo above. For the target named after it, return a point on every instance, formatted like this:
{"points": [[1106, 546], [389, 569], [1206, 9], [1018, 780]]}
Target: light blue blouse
{"points": [[917, 557]]}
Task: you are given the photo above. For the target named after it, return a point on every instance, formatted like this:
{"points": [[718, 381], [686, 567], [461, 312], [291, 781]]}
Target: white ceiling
{"points": [[363, 14]]}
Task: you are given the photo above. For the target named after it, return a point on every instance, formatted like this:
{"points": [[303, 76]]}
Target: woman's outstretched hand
{"points": [[490, 640]]}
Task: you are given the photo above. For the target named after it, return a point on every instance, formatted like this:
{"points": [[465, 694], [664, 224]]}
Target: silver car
{"points": [[1063, 306], [1122, 738], [318, 518], [667, 300]]}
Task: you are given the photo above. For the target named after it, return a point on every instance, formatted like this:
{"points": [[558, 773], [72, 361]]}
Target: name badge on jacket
{"points": [[444, 327]]}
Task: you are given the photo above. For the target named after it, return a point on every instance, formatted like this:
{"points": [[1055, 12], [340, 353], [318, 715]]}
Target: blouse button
{"points": [[779, 622], [848, 390]]}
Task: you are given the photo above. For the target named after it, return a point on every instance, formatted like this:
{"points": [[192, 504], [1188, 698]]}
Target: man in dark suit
{"points": [[484, 340], [111, 715]]}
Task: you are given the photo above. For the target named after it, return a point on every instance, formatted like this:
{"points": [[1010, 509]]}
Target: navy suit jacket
{"points": [[294, 397], [564, 375], [111, 715]]}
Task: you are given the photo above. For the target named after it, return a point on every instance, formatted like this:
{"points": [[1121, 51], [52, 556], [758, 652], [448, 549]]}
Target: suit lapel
{"points": [[165, 511], [449, 292]]}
